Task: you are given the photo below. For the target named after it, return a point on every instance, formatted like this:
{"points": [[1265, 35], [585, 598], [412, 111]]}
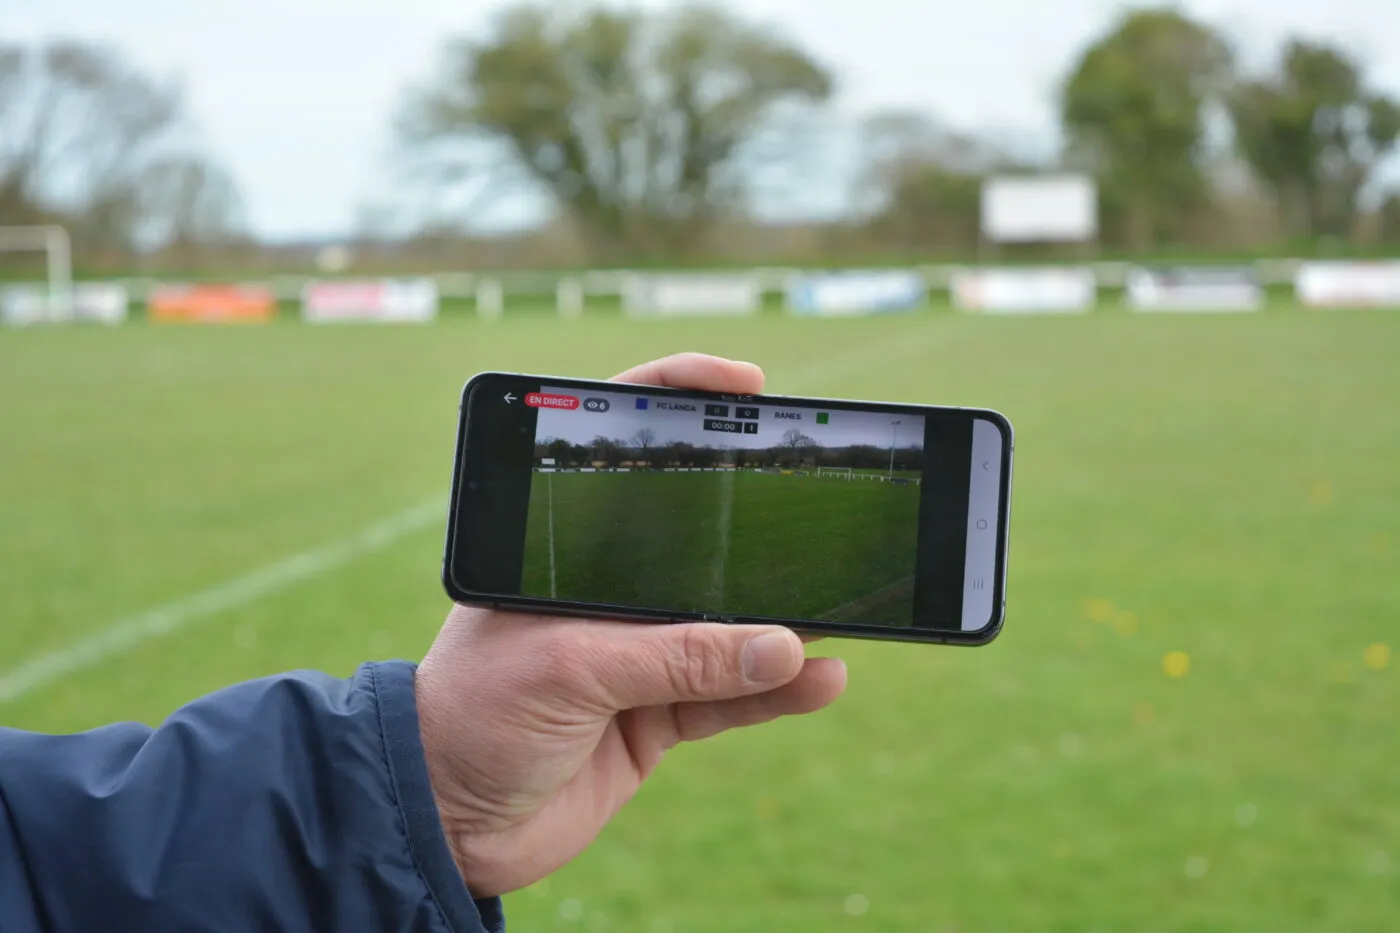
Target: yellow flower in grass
{"points": [[1377, 656], [1176, 664]]}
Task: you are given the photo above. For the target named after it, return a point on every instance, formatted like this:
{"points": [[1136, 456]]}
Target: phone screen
{"points": [[857, 516]]}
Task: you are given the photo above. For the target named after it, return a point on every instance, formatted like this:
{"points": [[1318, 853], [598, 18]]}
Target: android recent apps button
{"points": [[550, 400]]}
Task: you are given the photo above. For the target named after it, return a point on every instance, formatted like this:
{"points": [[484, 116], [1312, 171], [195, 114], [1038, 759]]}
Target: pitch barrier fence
{"points": [[988, 290]]}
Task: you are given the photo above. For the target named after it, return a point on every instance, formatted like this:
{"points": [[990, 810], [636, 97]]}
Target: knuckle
{"points": [[701, 668]]}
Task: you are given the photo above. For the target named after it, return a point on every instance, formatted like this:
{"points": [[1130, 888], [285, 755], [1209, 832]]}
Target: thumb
{"points": [[695, 662]]}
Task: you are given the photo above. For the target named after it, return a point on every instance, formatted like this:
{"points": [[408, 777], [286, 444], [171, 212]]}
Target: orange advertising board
{"points": [[210, 304]]}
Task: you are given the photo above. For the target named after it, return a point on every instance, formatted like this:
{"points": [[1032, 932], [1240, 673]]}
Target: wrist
{"points": [[409, 763]]}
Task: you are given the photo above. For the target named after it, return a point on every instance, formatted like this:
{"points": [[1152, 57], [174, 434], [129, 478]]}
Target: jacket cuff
{"points": [[408, 772]]}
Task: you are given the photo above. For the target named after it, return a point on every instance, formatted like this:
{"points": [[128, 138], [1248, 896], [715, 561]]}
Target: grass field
{"points": [[704, 542], [1189, 723]]}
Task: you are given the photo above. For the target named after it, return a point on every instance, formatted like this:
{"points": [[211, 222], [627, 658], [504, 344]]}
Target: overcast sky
{"points": [[296, 95], [674, 424]]}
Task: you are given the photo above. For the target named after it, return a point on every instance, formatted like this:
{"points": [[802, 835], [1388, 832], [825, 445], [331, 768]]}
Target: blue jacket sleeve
{"points": [[294, 803]]}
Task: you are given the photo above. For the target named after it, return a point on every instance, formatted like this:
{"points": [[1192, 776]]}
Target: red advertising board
{"points": [[207, 304]]}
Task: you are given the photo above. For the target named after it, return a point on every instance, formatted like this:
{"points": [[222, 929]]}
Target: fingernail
{"points": [[768, 657]]}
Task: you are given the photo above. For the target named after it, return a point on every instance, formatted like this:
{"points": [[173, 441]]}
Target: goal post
{"points": [[53, 242], [838, 472]]}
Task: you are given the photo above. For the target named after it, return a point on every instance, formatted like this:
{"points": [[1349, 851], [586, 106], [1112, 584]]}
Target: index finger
{"points": [[697, 371]]}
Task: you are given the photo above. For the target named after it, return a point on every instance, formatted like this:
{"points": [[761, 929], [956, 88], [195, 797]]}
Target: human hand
{"points": [[537, 729]]}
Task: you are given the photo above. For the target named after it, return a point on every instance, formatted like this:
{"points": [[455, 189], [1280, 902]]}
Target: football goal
{"points": [[838, 472], [57, 303]]}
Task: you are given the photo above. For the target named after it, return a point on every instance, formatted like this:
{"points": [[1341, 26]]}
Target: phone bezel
{"points": [[545, 605]]}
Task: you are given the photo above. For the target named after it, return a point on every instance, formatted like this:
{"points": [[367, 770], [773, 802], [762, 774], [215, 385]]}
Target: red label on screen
{"points": [[549, 400]]}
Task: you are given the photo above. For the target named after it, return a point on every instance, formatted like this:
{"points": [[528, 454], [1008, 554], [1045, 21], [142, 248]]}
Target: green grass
{"points": [[1227, 487], [706, 542]]}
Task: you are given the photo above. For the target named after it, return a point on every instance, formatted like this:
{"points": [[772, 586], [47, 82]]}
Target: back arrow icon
{"points": [[509, 398]]}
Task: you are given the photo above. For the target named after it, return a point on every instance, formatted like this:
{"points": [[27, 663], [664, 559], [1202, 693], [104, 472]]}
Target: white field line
{"points": [[553, 584], [726, 508], [126, 634]]}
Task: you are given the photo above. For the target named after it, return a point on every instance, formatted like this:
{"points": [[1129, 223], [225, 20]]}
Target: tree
{"points": [[678, 453], [794, 447], [1390, 220], [1134, 111], [922, 185], [643, 439], [609, 451], [89, 141], [559, 450], [187, 203], [793, 439], [1314, 134], [639, 126]]}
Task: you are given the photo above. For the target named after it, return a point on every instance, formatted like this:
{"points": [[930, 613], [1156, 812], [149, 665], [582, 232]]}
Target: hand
{"points": [[538, 729]]}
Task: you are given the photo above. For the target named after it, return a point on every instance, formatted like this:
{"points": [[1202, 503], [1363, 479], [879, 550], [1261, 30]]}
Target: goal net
{"points": [[22, 306], [838, 472]]}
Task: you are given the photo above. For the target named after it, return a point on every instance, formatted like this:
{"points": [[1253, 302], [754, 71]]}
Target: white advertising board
{"points": [[1040, 208], [95, 302], [842, 294], [1025, 291], [100, 302], [1203, 289], [690, 295], [1349, 284], [22, 305], [381, 300]]}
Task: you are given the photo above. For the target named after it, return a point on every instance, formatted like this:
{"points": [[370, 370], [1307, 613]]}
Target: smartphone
{"points": [[830, 516]]}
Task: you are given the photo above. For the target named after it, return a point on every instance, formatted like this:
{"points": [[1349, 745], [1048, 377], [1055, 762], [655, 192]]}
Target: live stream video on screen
{"points": [[666, 503]]}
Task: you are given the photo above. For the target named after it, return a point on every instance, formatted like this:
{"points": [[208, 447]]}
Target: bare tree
{"points": [[795, 439], [87, 140], [643, 439], [608, 451], [186, 202]]}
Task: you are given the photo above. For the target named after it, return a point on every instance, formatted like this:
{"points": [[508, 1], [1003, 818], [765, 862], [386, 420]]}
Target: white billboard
{"points": [[1025, 291], [690, 295], [1040, 208], [1203, 289], [379, 300], [843, 294], [21, 305], [1349, 284], [100, 302], [95, 302]]}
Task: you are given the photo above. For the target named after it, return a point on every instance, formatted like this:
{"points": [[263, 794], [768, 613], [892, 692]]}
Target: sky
{"points": [[296, 96], [674, 422]]}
